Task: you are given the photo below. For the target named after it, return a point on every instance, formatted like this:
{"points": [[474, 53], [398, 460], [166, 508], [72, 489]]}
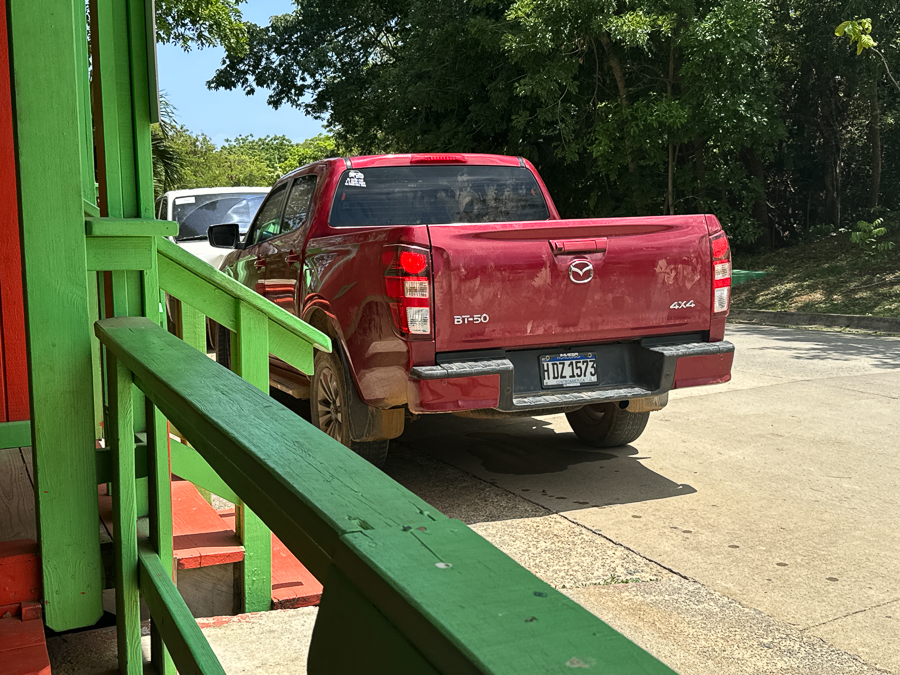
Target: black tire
{"points": [[606, 425], [330, 406], [223, 347]]}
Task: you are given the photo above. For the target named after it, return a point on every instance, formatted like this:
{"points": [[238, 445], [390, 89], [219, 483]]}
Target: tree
{"points": [[242, 161], [201, 23], [168, 164], [860, 33]]}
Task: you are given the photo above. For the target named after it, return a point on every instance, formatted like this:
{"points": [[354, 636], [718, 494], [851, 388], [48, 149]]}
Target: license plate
{"points": [[568, 370]]}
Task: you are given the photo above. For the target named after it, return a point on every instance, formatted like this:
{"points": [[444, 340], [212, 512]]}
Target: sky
{"points": [[226, 114]]}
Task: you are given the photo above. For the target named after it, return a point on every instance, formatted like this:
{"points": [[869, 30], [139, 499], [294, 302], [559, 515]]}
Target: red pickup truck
{"points": [[450, 284]]}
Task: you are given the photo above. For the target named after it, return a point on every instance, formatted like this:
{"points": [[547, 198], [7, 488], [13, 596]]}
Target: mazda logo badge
{"points": [[581, 272]]}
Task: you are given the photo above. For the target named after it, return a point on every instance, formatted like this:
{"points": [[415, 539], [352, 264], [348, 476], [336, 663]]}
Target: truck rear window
{"points": [[415, 195]]}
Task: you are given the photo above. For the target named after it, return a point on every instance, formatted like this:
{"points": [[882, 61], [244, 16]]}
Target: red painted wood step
{"points": [[199, 536], [203, 537], [23, 648], [292, 584], [20, 575]]}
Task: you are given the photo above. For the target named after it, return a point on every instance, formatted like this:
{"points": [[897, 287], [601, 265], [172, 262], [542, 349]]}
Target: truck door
{"points": [[250, 266], [284, 258]]}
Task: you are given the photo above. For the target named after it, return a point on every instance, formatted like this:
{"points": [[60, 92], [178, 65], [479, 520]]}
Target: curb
{"points": [[880, 324]]}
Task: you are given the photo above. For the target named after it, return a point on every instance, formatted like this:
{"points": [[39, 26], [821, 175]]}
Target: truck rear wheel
{"points": [[606, 425], [330, 408]]}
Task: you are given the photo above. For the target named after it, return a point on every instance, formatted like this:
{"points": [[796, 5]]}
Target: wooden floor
{"points": [[17, 519]]}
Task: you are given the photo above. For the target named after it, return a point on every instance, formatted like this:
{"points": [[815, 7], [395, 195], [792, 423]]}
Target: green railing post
{"points": [[53, 157], [121, 437], [251, 356]]}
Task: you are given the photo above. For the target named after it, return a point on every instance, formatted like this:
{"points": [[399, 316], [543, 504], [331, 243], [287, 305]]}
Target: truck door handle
{"points": [[259, 263], [566, 246], [292, 258]]}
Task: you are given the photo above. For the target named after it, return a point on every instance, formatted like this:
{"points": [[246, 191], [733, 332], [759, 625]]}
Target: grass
{"points": [[829, 276]]}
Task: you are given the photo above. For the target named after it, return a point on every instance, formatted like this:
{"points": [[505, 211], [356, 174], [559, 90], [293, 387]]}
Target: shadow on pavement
{"points": [[528, 459], [522, 467], [809, 344]]}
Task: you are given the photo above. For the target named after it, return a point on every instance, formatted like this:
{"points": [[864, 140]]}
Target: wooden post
{"points": [[251, 354], [50, 146], [121, 436]]}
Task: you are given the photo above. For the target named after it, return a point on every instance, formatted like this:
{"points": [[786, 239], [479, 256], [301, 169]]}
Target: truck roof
{"points": [[434, 158]]}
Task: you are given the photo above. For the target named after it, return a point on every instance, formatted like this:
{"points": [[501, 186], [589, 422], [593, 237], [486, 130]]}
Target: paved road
{"points": [[751, 529]]}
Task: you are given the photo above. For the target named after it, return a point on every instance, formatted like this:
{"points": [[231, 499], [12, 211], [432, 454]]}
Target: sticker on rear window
{"points": [[185, 200], [355, 179]]}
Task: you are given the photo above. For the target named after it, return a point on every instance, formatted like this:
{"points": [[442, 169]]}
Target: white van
{"points": [[196, 209]]}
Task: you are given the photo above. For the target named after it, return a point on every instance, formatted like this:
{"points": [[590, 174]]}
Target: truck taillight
{"points": [[721, 268], [407, 283]]}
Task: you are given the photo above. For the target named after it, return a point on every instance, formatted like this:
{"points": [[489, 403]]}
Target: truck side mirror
{"points": [[227, 235]]}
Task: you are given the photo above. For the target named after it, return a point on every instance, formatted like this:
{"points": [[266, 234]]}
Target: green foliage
{"points": [[242, 161], [168, 164], [201, 23], [859, 31], [743, 108], [870, 237]]}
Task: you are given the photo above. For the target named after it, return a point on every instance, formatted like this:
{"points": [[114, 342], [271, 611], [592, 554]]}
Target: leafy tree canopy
{"points": [[242, 161], [201, 23], [625, 106]]}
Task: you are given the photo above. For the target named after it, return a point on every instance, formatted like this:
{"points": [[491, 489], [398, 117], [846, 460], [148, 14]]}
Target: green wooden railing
{"points": [[407, 590], [259, 328]]}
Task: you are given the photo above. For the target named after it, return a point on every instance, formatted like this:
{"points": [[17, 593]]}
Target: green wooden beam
{"points": [[125, 514], [50, 125], [104, 461], [129, 227], [120, 253], [193, 270], [430, 586], [189, 648], [15, 434], [251, 359], [188, 464]]}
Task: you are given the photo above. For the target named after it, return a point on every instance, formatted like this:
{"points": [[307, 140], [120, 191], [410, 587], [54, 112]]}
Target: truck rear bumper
{"points": [[625, 371]]}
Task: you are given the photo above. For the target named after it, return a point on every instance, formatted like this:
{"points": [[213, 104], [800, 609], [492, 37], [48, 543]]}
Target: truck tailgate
{"points": [[526, 284]]}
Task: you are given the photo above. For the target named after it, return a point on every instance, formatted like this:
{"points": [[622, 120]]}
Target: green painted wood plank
{"points": [[90, 209], [532, 629], [15, 434], [119, 253], [193, 327], [285, 345], [220, 281], [250, 349], [103, 458], [192, 289], [129, 227], [187, 644], [140, 110], [377, 644], [121, 435], [111, 72], [188, 464], [49, 145], [152, 71], [86, 137], [94, 302], [160, 511]]}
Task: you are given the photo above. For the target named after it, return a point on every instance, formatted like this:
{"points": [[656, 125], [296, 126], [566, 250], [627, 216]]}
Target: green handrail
{"points": [[408, 588]]}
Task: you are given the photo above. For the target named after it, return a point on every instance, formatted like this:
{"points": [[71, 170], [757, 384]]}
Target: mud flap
{"points": [[368, 423]]}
